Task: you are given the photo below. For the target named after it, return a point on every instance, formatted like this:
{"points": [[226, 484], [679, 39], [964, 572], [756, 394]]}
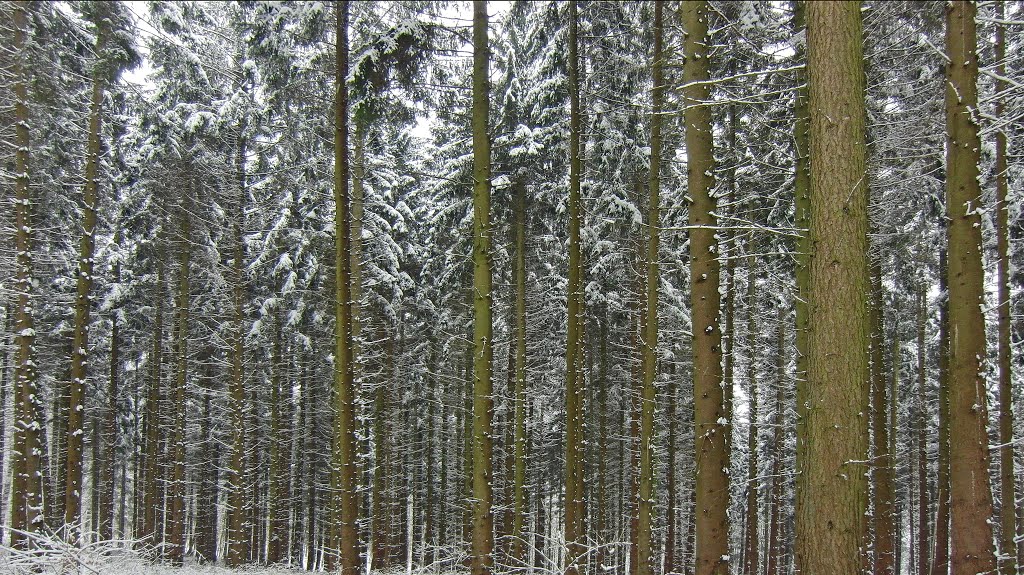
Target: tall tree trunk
{"points": [[344, 526], [940, 558], [206, 505], [151, 498], [924, 499], [1007, 492], [110, 434], [237, 492], [649, 331], [883, 463], [775, 548], [669, 564], [971, 504], [574, 380], [802, 205], [27, 501], [711, 428], [518, 531], [751, 543], [83, 299], [830, 523], [483, 351], [176, 489], [277, 503]]}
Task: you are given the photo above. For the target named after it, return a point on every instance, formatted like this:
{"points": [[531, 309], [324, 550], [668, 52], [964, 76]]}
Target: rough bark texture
{"points": [[830, 520], [711, 426], [483, 347], [971, 507], [344, 530], [649, 332]]}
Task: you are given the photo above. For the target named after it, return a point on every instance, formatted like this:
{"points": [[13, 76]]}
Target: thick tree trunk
{"points": [[711, 427], [971, 503], [483, 347], [830, 523]]}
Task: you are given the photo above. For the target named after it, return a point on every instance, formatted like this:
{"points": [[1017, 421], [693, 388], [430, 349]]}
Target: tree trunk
{"points": [[344, 526], [882, 471], [237, 496], [574, 380], [802, 205], [751, 543], [27, 488], [940, 558], [518, 531], [83, 301], [151, 498], [483, 351], [1007, 492], [711, 428], [649, 331], [176, 489], [830, 522], [971, 504], [924, 502], [110, 432]]}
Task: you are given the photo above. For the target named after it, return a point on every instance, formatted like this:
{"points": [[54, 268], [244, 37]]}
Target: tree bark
{"points": [[649, 331], [711, 427], [830, 522], [574, 380], [83, 300], [483, 350], [971, 506], [27, 501], [1007, 492], [344, 526]]}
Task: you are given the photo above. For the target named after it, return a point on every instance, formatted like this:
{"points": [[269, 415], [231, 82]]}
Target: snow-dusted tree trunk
{"points": [[971, 508], [483, 344]]}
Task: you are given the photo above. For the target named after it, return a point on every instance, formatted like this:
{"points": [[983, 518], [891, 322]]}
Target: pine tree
{"points": [[830, 520], [483, 351], [971, 509]]}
